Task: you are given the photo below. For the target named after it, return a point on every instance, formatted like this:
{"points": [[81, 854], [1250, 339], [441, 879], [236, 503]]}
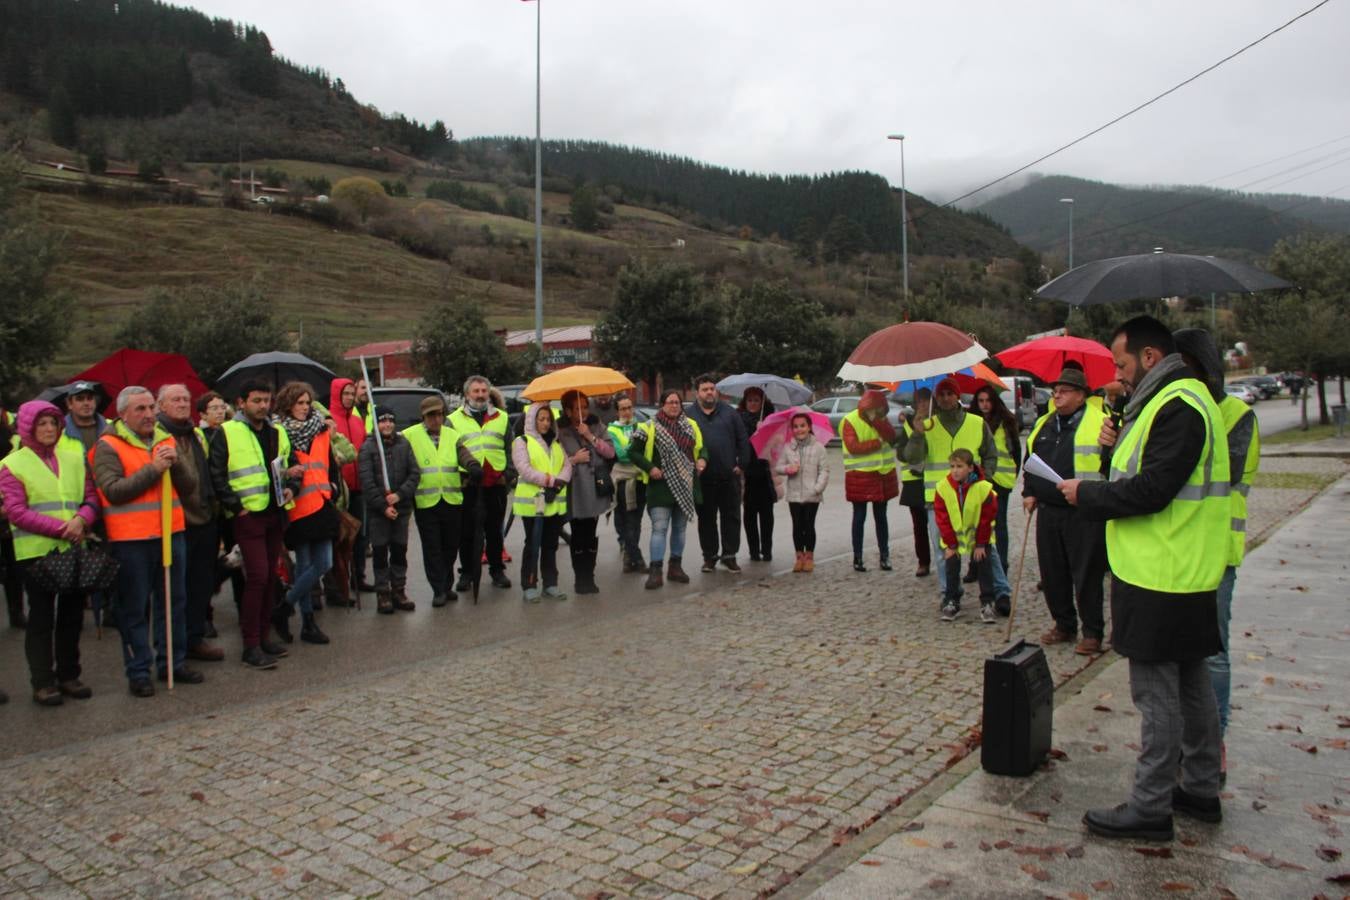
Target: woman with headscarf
{"points": [[669, 452], [761, 493], [545, 473], [50, 502], [583, 440], [988, 405], [13, 582], [312, 522]]}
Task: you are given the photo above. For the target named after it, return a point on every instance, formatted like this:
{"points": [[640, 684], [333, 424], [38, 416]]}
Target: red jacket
{"points": [[988, 511], [351, 425], [869, 487]]}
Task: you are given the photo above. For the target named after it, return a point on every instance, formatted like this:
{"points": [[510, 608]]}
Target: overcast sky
{"points": [[978, 87]]}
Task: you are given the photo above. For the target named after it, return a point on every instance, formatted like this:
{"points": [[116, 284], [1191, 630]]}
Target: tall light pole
{"points": [[904, 219], [538, 192], [1069, 200]]}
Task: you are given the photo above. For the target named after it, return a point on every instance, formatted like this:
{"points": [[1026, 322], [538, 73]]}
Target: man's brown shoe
{"points": [[1088, 646], [205, 652], [1055, 636]]}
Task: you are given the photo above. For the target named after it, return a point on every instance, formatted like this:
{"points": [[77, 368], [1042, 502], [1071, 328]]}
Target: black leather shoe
{"points": [[885, 564], [438, 601], [281, 622], [500, 580], [141, 688], [971, 576], [184, 675], [255, 658], [1204, 809], [276, 651], [1124, 823], [463, 585]]}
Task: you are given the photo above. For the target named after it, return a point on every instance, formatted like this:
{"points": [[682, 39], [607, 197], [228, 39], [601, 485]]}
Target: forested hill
{"points": [[140, 77], [1111, 220], [857, 208]]}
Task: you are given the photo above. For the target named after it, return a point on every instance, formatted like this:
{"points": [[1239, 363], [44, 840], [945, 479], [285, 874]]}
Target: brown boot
{"points": [[809, 562], [384, 601], [675, 573], [654, 579], [800, 563]]}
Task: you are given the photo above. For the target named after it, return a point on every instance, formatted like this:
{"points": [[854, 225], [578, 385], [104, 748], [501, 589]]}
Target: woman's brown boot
{"points": [[675, 573], [654, 579], [800, 564], [809, 563]]}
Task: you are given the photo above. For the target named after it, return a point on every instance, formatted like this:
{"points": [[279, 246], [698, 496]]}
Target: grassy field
{"points": [[1299, 436]]}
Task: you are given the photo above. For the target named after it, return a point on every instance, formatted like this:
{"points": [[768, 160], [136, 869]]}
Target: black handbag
{"points": [[58, 572], [98, 569], [604, 484]]}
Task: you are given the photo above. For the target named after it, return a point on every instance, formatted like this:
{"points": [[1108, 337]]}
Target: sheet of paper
{"points": [[278, 479], [1034, 465]]}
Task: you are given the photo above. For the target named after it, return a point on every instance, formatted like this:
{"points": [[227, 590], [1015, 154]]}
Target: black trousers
{"points": [[923, 548], [202, 543], [52, 641], [628, 522], [546, 551], [585, 547], [1072, 552], [719, 516], [759, 526], [13, 577], [803, 526], [438, 528], [954, 589], [494, 514], [356, 505]]}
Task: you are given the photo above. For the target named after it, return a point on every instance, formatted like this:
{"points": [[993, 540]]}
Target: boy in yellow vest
{"points": [[965, 506]]}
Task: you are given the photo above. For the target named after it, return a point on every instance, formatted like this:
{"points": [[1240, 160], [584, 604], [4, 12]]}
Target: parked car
{"points": [[405, 402], [1265, 385], [835, 408], [1243, 392], [1042, 401]]}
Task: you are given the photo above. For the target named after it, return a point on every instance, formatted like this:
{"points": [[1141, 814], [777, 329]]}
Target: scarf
{"points": [[303, 433], [185, 430], [1146, 388], [675, 441]]}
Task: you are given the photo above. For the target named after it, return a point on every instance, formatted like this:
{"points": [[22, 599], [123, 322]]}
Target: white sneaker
{"points": [[235, 558], [987, 615], [949, 612]]}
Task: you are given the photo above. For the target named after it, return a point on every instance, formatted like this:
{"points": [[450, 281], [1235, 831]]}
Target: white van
{"points": [[1021, 399]]}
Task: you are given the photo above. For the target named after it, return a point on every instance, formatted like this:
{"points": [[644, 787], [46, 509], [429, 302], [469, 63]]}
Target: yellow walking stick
{"points": [[166, 561]]}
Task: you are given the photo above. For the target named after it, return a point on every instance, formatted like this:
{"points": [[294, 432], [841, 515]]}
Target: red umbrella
{"points": [[1045, 358], [912, 350], [149, 370]]}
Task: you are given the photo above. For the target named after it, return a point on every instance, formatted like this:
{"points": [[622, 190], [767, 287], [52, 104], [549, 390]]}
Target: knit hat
{"points": [[1072, 377], [872, 399], [385, 415], [947, 384]]}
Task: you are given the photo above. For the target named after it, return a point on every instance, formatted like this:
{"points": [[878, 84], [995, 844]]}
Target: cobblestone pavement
{"points": [[709, 745]]}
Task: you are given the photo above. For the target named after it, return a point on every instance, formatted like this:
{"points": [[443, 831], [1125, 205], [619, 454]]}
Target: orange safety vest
{"points": [[139, 519], [315, 487]]}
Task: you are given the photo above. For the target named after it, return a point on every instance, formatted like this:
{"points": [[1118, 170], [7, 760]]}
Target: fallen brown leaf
{"points": [[871, 862], [913, 826], [938, 884], [1035, 871], [949, 845], [475, 851], [278, 872], [115, 837], [1343, 878], [1078, 895], [1099, 748], [1003, 845], [459, 815], [1176, 886], [308, 876], [1258, 805], [1039, 815], [985, 846], [1305, 747], [1328, 853], [1056, 753], [1103, 886], [539, 811], [1101, 707], [1075, 852], [1159, 852], [198, 796]]}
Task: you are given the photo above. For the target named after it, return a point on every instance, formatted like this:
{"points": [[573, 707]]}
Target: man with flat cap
{"points": [[437, 505], [1071, 548]]}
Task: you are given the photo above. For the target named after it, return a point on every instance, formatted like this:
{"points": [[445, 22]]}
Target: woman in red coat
{"points": [[869, 472]]}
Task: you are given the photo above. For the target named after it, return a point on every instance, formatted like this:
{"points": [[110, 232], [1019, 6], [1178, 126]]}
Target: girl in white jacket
{"points": [[803, 462]]}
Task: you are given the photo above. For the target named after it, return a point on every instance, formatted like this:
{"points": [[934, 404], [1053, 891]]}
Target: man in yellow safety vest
{"points": [[1167, 511]]}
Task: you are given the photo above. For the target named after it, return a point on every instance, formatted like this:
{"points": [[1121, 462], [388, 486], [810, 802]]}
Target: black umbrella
{"points": [[278, 368], [1156, 275], [59, 394]]}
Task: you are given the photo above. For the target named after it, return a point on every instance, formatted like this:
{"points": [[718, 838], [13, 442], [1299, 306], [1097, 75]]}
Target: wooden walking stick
{"points": [[166, 562], [1017, 586]]}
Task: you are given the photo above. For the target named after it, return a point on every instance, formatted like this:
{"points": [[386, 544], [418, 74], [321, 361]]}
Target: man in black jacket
{"points": [[1167, 509], [728, 447]]}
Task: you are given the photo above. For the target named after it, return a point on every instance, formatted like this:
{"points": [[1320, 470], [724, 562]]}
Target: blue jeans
{"points": [[140, 581], [667, 518], [996, 568], [1220, 675], [312, 560]]}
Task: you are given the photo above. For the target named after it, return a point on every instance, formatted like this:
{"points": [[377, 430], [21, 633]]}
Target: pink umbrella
{"points": [[1045, 358], [775, 431]]}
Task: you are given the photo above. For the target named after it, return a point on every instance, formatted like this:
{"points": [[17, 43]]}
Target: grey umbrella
{"points": [[278, 368], [1156, 275]]}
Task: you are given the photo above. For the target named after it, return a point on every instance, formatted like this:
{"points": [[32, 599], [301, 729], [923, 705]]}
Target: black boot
{"points": [[16, 617], [858, 563], [281, 621], [309, 630]]}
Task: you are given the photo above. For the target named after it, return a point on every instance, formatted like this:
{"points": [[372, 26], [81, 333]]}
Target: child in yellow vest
{"points": [[964, 507]]}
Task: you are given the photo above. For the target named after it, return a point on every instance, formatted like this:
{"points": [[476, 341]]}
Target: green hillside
{"points": [[1111, 220]]}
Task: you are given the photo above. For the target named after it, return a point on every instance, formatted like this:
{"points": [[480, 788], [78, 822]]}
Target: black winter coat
{"points": [[403, 473]]}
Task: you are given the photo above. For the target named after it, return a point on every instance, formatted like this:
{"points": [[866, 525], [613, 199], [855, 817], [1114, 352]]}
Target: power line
{"points": [[1141, 106]]}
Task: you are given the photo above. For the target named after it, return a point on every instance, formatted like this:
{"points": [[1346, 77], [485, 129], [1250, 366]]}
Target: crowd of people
{"points": [[281, 495]]}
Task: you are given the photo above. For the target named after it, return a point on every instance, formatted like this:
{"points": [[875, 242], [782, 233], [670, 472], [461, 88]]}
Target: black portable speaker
{"points": [[1019, 708]]}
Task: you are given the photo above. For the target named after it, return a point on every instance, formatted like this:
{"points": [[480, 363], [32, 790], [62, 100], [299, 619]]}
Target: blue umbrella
{"points": [[780, 391]]}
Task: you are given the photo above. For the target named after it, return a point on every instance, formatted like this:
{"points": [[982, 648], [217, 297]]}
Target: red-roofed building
{"points": [[390, 361]]}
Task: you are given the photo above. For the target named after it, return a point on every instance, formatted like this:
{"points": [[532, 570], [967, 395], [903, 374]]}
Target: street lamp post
{"points": [[904, 219], [538, 193], [1069, 200]]}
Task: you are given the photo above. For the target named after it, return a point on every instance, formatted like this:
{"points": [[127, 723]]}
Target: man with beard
{"points": [[728, 447], [483, 429], [1168, 515]]}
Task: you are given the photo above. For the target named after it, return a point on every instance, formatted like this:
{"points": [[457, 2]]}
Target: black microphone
{"points": [[1117, 413]]}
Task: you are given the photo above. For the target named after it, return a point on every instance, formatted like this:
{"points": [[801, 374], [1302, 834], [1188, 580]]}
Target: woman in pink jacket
{"points": [[50, 506]]}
